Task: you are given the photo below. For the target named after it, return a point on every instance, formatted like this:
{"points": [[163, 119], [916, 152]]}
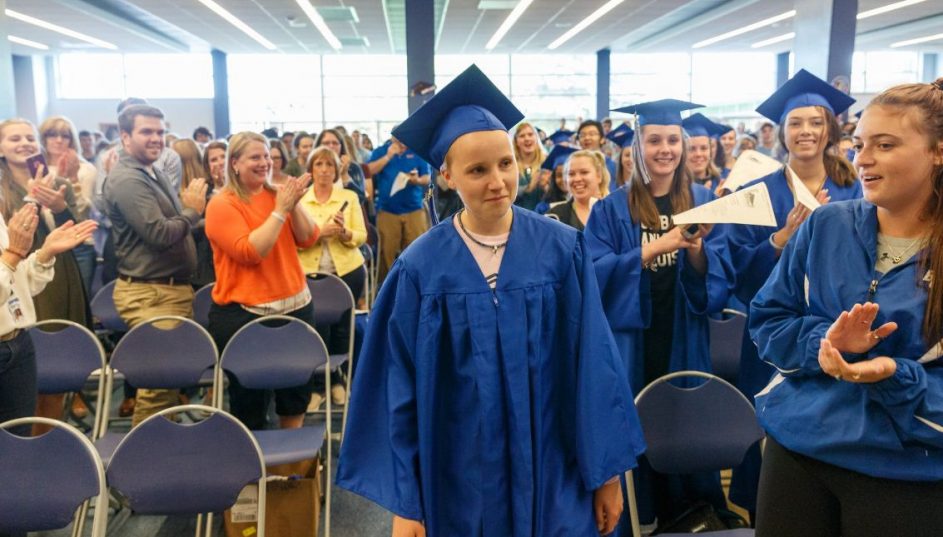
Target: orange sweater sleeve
{"points": [[228, 228]]}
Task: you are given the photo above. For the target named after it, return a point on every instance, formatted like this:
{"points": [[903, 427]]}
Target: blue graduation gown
{"points": [[487, 413], [754, 258], [615, 243], [890, 429]]}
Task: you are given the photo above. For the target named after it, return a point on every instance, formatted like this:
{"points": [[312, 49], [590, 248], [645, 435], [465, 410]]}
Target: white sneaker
{"points": [[338, 395], [315, 404]]}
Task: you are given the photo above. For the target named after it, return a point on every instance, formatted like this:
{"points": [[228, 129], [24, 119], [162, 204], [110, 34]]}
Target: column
{"points": [[931, 66], [825, 37], [420, 48], [782, 68], [220, 94], [603, 69]]}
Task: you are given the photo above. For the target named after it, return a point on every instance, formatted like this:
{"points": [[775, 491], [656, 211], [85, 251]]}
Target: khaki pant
{"points": [[138, 302], [397, 231]]}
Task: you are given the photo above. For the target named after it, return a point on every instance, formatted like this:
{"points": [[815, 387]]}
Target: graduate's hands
{"points": [[852, 332], [796, 217], [864, 372], [607, 506], [404, 527]]}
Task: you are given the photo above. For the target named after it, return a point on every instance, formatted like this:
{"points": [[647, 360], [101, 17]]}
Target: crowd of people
{"points": [[495, 390]]}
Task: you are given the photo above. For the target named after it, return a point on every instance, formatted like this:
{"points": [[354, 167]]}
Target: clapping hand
{"points": [[864, 372], [291, 192], [194, 196], [68, 236], [852, 332], [20, 229]]}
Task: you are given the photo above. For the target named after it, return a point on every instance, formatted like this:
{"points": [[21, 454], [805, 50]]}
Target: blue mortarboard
{"points": [[858, 113], [724, 129], [663, 112], [470, 103], [558, 137], [557, 157], [698, 124], [621, 135], [804, 89]]}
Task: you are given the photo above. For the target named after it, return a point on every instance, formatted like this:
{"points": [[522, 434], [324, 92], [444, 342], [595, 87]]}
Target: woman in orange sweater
{"points": [[255, 230]]}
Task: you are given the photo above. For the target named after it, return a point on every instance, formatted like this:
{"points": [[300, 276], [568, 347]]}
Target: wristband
{"points": [[773, 243], [278, 217]]}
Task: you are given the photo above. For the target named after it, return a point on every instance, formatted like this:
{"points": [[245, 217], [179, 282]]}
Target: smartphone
{"points": [[690, 231], [34, 162], [344, 206]]}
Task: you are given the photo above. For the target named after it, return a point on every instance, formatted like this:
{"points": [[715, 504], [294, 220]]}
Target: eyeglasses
{"points": [[58, 134]]}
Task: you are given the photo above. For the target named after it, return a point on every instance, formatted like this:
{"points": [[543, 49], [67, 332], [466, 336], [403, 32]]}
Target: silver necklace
{"points": [[897, 257], [493, 247]]}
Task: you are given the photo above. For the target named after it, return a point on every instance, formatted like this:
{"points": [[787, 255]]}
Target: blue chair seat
{"points": [[106, 445], [284, 446], [335, 360]]}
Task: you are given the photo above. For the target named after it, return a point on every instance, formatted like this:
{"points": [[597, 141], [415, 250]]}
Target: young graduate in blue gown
{"points": [[805, 108], [490, 399], [658, 286], [553, 166], [700, 162], [852, 319], [622, 136]]}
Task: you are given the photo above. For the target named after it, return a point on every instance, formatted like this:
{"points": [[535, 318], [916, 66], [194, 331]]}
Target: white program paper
{"points": [[401, 181], [803, 196], [750, 206], [750, 165]]}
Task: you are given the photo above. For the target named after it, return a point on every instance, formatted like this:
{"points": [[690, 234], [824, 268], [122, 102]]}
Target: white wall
{"points": [[182, 115]]}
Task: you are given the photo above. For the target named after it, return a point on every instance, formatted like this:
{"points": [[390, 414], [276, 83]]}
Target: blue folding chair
{"points": [[46, 479], [67, 355], [726, 336], [278, 351], [103, 308], [708, 427], [202, 301], [167, 468], [334, 305], [167, 352]]}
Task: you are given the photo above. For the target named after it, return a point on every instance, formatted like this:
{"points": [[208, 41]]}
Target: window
{"points": [[274, 90], [875, 71], [117, 76]]}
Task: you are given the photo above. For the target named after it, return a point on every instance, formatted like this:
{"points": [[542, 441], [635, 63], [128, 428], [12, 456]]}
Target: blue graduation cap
{"points": [[621, 135], [557, 157], [858, 113], [724, 129], [558, 137], [470, 103], [698, 124], [662, 112], [804, 89]]}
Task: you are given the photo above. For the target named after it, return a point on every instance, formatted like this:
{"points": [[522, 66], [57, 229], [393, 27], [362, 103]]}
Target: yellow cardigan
{"points": [[346, 255]]}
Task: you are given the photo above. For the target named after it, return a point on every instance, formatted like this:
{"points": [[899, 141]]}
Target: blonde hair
{"points": [[326, 153], [191, 160], [237, 146], [925, 102], [537, 160], [57, 123], [10, 200], [599, 164]]}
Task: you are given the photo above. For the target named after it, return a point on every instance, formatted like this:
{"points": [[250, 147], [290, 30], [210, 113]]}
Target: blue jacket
{"points": [[615, 243], [892, 428]]}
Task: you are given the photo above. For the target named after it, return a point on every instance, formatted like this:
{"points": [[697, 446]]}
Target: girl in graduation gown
{"points": [[489, 398], [658, 286], [805, 107], [700, 130], [854, 415]]}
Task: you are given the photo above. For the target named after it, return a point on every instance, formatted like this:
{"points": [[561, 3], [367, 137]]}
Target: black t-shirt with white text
{"points": [[662, 275]]}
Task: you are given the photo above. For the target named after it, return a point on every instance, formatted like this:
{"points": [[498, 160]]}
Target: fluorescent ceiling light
{"points": [[773, 40], [232, 19], [508, 22], [745, 29], [917, 41], [888, 7], [59, 29], [606, 8], [27, 42], [319, 23]]}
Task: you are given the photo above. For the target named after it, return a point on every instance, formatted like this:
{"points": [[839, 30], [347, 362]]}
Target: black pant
{"points": [[250, 406], [18, 381], [803, 497]]}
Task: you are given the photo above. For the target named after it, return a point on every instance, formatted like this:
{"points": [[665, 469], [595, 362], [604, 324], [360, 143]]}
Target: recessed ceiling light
{"points": [[235, 21], [917, 41], [59, 29], [745, 29], [27, 42], [773, 40], [319, 23], [593, 17], [508, 22]]}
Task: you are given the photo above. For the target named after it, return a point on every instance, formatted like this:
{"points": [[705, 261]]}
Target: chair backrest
{"points": [[202, 301], [103, 309], [46, 478], [333, 301], [707, 427], [726, 337], [67, 353], [165, 352], [274, 352], [166, 468]]}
